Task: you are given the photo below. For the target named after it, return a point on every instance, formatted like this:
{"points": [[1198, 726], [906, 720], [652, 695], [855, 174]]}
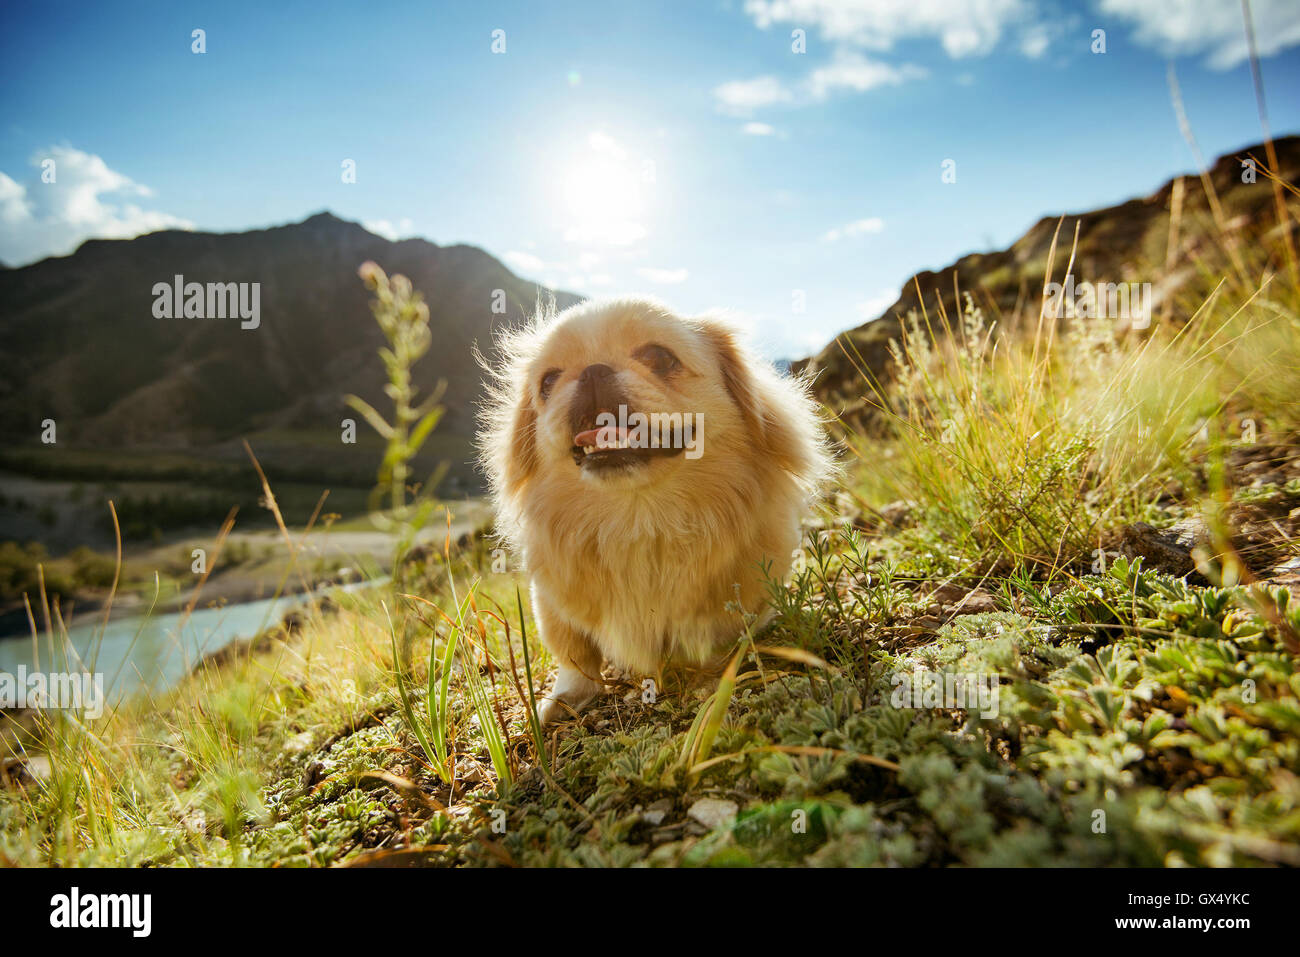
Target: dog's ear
{"points": [[517, 444], [736, 374], [772, 428]]}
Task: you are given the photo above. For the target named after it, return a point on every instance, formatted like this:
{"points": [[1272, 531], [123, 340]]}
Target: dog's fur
{"points": [[636, 565]]}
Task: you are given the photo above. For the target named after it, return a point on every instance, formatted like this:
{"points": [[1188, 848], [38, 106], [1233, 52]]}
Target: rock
{"points": [[39, 767], [662, 835], [1168, 549], [1188, 533], [1286, 575], [924, 625], [713, 812], [24, 771], [313, 774], [654, 815], [1263, 463], [976, 602], [955, 599], [898, 514], [948, 593], [1291, 567]]}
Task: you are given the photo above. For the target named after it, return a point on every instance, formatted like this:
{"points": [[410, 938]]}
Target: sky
{"points": [[781, 159]]}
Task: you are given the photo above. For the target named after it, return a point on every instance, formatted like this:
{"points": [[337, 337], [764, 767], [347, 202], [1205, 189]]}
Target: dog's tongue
{"points": [[605, 438]]}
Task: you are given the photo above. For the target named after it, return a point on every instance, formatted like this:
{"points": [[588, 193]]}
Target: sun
{"points": [[602, 197]]}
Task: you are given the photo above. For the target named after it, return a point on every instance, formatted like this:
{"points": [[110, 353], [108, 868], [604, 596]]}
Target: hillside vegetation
{"points": [[1094, 525], [1173, 239]]}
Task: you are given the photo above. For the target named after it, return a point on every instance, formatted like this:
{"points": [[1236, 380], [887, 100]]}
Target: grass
{"points": [[305, 752], [1020, 449], [1141, 718]]}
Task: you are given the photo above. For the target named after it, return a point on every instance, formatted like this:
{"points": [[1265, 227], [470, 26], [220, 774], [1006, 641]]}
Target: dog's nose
{"points": [[595, 373], [598, 391]]}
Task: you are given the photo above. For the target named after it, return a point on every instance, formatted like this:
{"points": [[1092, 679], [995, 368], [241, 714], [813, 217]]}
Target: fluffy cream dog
{"points": [[647, 468]]}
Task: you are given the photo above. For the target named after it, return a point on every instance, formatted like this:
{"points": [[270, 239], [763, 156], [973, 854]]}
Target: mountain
{"points": [[80, 342], [1120, 244]]}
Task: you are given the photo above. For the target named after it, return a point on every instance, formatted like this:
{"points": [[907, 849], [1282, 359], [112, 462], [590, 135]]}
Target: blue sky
{"points": [[679, 149]]}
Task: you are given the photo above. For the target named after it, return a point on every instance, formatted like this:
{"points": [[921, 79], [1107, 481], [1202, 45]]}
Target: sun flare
{"points": [[602, 196]]}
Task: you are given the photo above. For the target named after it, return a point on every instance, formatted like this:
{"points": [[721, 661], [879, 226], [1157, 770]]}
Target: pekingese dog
{"points": [[649, 470]]}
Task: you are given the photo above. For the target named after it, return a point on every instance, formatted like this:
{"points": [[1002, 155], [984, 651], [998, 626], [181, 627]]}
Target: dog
{"points": [[652, 474]]}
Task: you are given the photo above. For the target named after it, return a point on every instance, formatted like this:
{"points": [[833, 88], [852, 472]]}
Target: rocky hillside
{"points": [[80, 342], [1121, 244]]}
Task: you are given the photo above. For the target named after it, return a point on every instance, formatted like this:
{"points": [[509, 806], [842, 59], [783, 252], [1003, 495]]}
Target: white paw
{"points": [[571, 693]]}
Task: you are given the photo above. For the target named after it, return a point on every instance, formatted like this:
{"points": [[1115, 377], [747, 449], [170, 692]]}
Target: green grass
{"points": [[1124, 694]]}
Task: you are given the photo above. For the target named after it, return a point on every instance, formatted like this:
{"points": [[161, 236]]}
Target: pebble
{"points": [[712, 812]]}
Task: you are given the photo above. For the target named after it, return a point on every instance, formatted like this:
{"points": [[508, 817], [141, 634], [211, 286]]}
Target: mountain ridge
{"points": [[1124, 242], [80, 343]]}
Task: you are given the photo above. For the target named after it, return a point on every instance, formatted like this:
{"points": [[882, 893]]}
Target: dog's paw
{"points": [[572, 692]]}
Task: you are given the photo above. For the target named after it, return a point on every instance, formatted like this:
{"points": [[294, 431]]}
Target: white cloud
{"points": [[1034, 41], [87, 200], [524, 262], [14, 207], [967, 28], [1210, 27], [848, 70], [963, 27], [742, 97], [620, 233], [668, 277], [859, 227], [852, 71], [385, 228], [580, 281], [576, 273], [871, 309], [758, 129]]}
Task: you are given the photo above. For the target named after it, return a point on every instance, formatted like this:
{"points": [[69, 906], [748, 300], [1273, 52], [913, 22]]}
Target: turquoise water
{"points": [[145, 652]]}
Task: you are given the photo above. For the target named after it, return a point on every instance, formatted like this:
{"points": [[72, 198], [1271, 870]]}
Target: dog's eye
{"points": [[548, 383], [660, 360]]}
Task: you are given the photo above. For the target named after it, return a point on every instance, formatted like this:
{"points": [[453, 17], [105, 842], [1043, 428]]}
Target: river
{"points": [[145, 653]]}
